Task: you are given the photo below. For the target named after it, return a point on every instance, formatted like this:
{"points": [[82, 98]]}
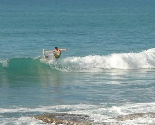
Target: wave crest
{"points": [[141, 60], [90, 63]]}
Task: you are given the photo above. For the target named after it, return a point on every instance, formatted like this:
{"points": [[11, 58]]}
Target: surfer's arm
{"points": [[63, 49], [50, 51]]}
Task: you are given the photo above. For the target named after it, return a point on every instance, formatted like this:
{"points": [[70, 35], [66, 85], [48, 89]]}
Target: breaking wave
{"points": [[141, 60], [91, 63]]}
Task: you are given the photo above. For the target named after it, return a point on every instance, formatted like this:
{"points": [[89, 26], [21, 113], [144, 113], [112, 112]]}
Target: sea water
{"points": [[108, 71]]}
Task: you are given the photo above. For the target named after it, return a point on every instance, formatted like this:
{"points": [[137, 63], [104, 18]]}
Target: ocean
{"points": [[108, 71]]}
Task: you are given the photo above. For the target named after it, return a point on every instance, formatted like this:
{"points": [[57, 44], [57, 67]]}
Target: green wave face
{"points": [[25, 66], [29, 70]]}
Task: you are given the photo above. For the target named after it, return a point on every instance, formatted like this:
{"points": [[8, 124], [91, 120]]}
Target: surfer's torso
{"points": [[57, 53]]}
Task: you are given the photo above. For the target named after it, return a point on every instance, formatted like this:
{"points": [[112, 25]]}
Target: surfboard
{"points": [[43, 59], [46, 58]]}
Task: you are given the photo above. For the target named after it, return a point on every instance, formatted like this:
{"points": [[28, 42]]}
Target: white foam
{"points": [[134, 108], [4, 63], [141, 60], [21, 121], [99, 113]]}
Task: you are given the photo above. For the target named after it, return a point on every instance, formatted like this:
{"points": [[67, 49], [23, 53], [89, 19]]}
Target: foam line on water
{"points": [[98, 113]]}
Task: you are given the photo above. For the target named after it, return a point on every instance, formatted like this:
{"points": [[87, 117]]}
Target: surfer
{"points": [[56, 52]]}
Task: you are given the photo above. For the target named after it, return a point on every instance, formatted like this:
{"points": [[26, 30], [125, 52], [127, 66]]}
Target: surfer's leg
{"points": [[56, 56]]}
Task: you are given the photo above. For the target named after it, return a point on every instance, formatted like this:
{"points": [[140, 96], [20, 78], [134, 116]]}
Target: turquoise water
{"points": [[108, 70]]}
